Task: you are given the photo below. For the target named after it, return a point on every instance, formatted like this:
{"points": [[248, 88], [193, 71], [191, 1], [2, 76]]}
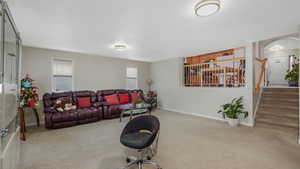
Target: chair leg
{"points": [[140, 165], [155, 164], [131, 164]]}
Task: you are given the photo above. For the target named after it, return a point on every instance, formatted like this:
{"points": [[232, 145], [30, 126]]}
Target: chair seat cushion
{"points": [[137, 140]]}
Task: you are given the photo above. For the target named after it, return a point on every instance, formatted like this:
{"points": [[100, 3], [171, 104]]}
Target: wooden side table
{"points": [[23, 123]]}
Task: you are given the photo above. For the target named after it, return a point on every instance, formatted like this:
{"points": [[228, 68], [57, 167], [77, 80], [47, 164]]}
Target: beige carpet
{"points": [[186, 142]]}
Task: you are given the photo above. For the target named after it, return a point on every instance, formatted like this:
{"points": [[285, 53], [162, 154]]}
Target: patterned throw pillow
{"points": [[84, 102], [124, 98], [112, 99], [135, 96]]}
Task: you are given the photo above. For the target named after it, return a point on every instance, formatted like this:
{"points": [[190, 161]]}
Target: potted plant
{"points": [[233, 111], [292, 76], [139, 103]]}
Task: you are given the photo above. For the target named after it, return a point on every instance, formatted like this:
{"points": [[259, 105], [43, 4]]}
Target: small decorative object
{"points": [[29, 93], [233, 111], [3, 132], [149, 82], [292, 76]]}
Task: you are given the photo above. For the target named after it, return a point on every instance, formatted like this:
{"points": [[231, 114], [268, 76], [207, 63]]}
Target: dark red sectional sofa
{"points": [[98, 110]]}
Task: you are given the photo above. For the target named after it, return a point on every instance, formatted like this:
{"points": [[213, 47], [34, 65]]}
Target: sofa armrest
{"points": [[50, 110]]}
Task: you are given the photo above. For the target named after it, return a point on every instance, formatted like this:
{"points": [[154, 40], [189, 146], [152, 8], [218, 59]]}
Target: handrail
{"points": [[217, 61], [262, 72]]}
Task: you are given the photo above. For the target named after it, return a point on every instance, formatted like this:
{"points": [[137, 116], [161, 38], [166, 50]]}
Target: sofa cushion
{"points": [[124, 98], [87, 113], [112, 99], [135, 96], [84, 102], [70, 115]]}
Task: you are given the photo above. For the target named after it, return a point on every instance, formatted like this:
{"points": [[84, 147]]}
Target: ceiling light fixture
{"points": [[207, 7], [120, 46], [276, 48]]}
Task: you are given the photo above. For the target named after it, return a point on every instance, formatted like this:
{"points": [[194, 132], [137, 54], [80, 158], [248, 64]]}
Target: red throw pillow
{"points": [[135, 96], [124, 98], [112, 99], [84, 102]]}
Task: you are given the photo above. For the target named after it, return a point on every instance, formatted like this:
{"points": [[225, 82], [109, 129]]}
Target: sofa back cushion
{"points": [[102, 93], [112, 99], [50, 99], [124, 98], [84, 93], [84, 102]]}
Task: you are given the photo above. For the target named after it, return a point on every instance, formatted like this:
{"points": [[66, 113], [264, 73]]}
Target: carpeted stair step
{"points": [[281, 114], [293, 131], [279, 109], [277, 121], [280, 106]]}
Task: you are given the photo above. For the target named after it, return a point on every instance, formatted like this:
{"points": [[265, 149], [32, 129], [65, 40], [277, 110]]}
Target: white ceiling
{"points": [[153, 29]]}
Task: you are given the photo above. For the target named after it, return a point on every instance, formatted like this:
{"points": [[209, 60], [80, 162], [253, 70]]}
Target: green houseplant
{"points": [[233, 111], [292, 76]]}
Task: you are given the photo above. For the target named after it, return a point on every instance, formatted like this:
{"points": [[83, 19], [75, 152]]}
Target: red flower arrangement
{"points": [[29, 93]]}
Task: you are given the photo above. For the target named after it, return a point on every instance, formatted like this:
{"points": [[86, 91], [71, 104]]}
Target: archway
{"points": [[283, 55]]}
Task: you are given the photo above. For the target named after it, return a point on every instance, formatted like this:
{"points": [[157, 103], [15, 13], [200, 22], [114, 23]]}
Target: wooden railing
{"points": [[261, 74], [218, 73]]}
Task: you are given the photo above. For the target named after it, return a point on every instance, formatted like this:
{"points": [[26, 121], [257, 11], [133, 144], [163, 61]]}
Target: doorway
{"points": [[283, 56]]}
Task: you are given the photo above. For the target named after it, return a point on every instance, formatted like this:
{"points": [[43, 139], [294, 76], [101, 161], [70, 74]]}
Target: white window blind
{"points": [[62, 67], [62, 75], [131, 78]]}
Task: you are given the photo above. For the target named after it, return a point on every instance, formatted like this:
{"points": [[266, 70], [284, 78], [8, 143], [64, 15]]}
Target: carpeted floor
{"points": [[186, 142]]}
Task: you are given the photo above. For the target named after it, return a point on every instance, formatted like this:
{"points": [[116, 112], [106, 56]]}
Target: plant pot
{"points": [[140, 105], [233, 122], [293, 84]]}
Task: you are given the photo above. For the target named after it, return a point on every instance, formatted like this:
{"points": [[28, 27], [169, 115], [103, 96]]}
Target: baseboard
{"points": [[34, 124], [204, 116]]}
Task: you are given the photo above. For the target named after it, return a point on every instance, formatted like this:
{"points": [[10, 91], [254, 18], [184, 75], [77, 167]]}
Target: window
{"points": [[62, 75], [131, 78]]}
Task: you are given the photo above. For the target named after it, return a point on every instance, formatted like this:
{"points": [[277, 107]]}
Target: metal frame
{"points": [[145, 156], [5, 12]]}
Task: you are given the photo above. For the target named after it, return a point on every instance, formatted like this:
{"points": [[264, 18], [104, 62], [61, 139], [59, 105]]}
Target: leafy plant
{"points": [[139, 101], [293, 75], [234, 109]]}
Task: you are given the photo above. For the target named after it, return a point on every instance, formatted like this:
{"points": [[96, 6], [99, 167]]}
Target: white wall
{"points": [[90, 71], [174, 96]]}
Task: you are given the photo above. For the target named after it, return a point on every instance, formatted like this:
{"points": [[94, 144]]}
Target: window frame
{"points": [[137, 74], [52, 73]]}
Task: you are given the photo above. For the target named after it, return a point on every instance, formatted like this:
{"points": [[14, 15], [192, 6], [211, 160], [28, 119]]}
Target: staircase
{"points": [[279, 110]]}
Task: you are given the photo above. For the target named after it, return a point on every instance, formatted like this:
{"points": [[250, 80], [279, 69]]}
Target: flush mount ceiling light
{"points": [[207, 7], [276, 48], [120, 46]]}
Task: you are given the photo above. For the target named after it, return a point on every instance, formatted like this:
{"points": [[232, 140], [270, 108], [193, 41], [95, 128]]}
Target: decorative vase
{"points": [[293, 84], [233, 122]]}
